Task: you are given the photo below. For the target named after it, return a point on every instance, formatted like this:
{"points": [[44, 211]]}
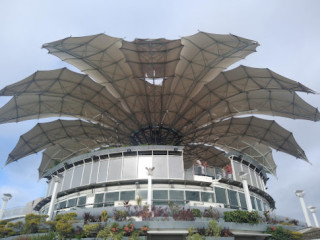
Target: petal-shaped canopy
{"points": [[263, 131], [45, 135], [157, 91]]}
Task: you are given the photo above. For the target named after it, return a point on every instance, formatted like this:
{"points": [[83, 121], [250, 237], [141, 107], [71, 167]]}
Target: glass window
{"points": [[259, 204], [94, 173], [127, 195], [160, 197], [103, 170], [160, 202], [129, 170], [243, 202], [142, 193], [266, 206], [237, 169], [253, 177], [112, 196], [77, 175], [192, 196], [72, 202], [86, 174], [246, 170], [253, 202], [176, 195], [67, 179], [161, 167], [233, 200], [82, 201], [221, 195], [176, 167], [115, 169], [63, 205], [98, 200], [207, 197], [160, 194]]}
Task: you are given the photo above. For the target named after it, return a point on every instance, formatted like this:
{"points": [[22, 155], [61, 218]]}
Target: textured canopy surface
{"points": [[156, 91]]}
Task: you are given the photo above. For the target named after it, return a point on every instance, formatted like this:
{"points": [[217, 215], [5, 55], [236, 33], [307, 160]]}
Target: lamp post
{"points": [[300, 194], [243, 177], [6, 197], [313, 212], [56, 179], [150, 173]]}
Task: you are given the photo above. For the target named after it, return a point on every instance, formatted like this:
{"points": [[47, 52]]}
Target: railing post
{"points": [[150, 172]]}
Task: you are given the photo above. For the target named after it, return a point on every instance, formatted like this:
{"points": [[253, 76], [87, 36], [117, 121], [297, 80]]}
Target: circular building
{"points": [[155, 122]]}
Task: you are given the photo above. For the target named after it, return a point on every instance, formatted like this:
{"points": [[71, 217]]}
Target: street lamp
{"points": [[243, 177], [313, 212], [300, 194], [6, 197]]}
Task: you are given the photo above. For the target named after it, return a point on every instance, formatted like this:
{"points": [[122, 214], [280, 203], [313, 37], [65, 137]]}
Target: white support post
{"points": [[232, 167], [313, 212], [56, 180], [150, 172], [243, 176], [300, 194], [6, 197]]}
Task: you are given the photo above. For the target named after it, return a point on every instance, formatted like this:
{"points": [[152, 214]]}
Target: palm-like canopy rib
{"points": [[156, 91]]}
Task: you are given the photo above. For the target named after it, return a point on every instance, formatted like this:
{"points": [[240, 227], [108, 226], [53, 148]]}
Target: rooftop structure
{"points": [[158, 104]]}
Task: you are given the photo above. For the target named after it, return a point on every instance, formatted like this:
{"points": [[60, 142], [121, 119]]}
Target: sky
{"points": [[288, 32]]}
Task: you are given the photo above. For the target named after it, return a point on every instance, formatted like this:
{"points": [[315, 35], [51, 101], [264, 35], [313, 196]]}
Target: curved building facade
{"points": [[114, 176]]}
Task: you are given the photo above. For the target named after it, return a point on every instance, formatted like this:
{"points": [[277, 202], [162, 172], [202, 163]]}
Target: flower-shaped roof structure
{"points": [[156, 91]]}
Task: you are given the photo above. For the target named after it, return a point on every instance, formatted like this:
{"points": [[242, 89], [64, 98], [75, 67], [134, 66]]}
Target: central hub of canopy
{"points": [[156, 135]]}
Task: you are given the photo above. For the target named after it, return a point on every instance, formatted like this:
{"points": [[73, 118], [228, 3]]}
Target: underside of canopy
{"points": [[156, 91]]}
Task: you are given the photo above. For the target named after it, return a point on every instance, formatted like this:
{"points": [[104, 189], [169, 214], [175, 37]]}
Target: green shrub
{"points": [[65, 217], [104, 216], [296, 235], [214, 229], [3, 222], [6, 231], [32, 222], [278, 233], [120, 215], [104, 233], [49, 236], [239, 216], [194, 236], [91, 230], [196, 212], [63, 224], [17, 226]]}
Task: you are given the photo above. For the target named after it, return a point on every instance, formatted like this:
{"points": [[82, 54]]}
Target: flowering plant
{"points": [[128, 229], [115, 228], [144, 229]]}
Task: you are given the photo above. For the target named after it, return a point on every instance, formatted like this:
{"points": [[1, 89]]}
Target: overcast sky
{"points": [[288, 33]]}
